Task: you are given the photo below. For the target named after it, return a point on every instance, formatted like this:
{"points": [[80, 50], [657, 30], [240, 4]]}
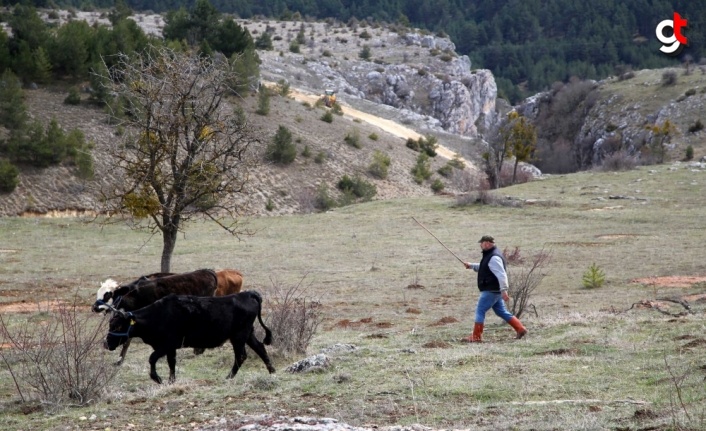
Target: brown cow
{"points": [[230, 281]]}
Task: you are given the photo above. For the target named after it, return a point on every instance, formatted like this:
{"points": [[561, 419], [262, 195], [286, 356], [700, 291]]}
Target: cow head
{"points": [[104, 296], [109, 295], [119, 330]]}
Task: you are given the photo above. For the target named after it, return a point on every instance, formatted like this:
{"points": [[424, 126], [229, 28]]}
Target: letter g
{"points": [[670, 44]]}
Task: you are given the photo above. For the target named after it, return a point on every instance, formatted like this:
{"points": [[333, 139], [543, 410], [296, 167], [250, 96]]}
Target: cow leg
{"points": [[259, 348], [154, 357], [240, 356], [171, 360], [123, 352]]}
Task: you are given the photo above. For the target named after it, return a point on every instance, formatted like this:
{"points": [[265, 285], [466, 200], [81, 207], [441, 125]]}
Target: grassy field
{"points": [[592, 360]]}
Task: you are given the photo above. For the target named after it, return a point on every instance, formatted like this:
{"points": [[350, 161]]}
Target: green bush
{"points": [[353, 138], [42, 148], [306, 152], [373, 137], [263, 101], [455, 163], [9, 176], [427, 145], [594, 277], [365, 53], [264, 42], [422, 170], [689, 153], [82, 156], [323, 200], [283, 88], [281, 149], [84, 163], [437, 185], [357, 187], [327, 117], [445, 171], [73, 98], [380, 164]]}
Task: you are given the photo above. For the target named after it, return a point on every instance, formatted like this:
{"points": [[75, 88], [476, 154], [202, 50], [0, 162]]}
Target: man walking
{"points": [[493, 285]]}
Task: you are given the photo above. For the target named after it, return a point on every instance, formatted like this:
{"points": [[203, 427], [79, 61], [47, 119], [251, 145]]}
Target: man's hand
{"points": [[467, 265], [506, 297]]}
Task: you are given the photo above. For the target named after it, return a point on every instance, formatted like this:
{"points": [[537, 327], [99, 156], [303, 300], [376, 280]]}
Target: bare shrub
{"points": [[306, 198], [293, 317], [506, 177], [513, 257], [57, 356], [525, 279], [562, 113], [669, 78], [619, 161], [481, 197], [558, 157], [466, 181]]}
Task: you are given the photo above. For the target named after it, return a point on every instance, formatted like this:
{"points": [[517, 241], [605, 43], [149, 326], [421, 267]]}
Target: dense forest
{"points": [[527, 44]]}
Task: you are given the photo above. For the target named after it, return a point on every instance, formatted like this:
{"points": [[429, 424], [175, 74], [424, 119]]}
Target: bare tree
{"points": [[495, 155], [524, 280], [514, 137], [186, 152]]}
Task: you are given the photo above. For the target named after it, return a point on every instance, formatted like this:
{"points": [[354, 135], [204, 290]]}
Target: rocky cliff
{"points": [[418, 74]]}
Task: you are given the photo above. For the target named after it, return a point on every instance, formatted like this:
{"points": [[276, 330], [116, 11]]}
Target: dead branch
{"points": [[656, 306]]}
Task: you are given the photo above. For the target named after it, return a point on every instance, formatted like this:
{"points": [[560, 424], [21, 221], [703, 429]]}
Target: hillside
{"points": [[330, 59], [289, 189]]}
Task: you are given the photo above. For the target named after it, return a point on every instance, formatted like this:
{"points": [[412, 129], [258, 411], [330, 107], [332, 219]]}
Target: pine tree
{"points": [[42, 66], [263, 101], [13, 111], [282, 150]]}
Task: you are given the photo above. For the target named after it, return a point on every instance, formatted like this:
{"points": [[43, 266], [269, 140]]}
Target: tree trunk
{"points": [[169, 237], [514, 170]]}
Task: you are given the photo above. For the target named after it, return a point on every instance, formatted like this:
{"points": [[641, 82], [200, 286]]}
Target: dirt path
{"points": [[386, 125]]}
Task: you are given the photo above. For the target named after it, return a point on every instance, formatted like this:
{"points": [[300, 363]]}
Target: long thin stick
{"points": [[459, 259]]}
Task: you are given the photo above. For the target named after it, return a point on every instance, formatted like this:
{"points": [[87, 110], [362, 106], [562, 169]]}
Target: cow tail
{"points": [[268, 334]]}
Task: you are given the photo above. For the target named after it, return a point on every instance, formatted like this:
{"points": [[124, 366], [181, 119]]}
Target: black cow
{"points": [[178, 321], [149, 288]]}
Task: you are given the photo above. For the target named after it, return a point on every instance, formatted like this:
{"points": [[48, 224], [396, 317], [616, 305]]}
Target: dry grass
{"points": [[589, 362]]}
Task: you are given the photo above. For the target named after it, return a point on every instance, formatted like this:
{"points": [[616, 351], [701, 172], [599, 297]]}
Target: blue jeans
{"points": [[494, 300]]}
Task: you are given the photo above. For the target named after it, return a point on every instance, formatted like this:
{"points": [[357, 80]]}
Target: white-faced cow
{"points": [[229, 281], [149, 288], [178, 321]]}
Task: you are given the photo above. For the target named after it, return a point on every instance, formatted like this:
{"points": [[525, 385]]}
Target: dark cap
{"points": [[487, 238]]}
